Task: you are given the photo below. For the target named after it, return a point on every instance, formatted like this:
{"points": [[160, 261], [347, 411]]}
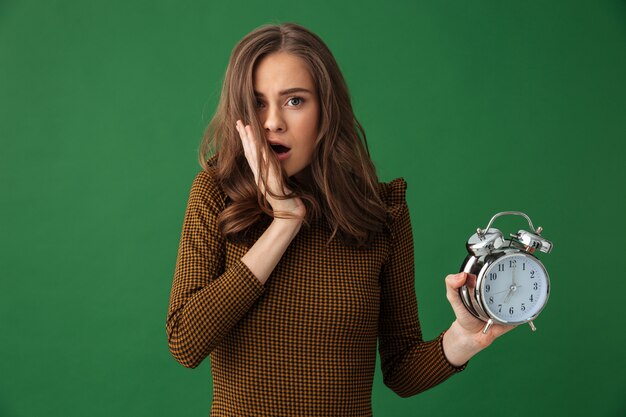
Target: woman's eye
{"points": [[259, 104], [298, 101]]}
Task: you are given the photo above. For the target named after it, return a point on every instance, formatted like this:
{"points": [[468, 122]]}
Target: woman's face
{"points": [[288, 108]]}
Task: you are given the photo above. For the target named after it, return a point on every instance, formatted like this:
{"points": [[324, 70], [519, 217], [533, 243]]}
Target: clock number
{"points": [[532, 299], [491, 300], [523, 307], [512, 263], [532, 274], [492, 276], [524, 266], [501, 268], [487, 288], [499, 308], [535, 286], [511, 311]]}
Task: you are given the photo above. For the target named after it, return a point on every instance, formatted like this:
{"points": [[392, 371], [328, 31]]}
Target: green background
{"points": [[482, 106]]}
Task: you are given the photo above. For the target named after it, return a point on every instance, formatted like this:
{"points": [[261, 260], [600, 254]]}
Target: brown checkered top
{"points": [[303, 343]]}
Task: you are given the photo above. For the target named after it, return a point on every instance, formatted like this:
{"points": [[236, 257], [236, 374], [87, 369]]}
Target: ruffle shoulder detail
{"points": [[393, 194]]}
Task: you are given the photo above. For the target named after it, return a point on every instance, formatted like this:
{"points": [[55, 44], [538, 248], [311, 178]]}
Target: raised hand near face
{"points": [[291, 206]]}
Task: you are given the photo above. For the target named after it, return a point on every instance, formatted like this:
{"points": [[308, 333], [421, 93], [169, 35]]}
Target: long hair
{"points": [[344, 191]]}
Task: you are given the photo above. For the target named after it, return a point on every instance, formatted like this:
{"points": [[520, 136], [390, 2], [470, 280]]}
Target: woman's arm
{"points": [[208, 299], [263, 257], [409, 363]]}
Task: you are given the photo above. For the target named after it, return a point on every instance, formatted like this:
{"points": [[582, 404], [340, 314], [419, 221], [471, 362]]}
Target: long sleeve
{"points": [[207, 299], [409, 364]]}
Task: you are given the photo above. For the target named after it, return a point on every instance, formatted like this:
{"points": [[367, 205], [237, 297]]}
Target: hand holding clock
{"points": [[465, 338]]}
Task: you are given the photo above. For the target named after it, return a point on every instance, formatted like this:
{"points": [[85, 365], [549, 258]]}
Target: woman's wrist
{"points": [[289, 227], [460, 345], [267, 251], [295, 210]]}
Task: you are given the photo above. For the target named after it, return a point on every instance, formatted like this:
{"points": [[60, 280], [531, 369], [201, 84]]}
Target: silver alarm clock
{"points": [[512, 285]]}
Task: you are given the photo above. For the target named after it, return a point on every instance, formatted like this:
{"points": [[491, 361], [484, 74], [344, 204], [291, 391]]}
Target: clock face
{"points": [[514, 288]]}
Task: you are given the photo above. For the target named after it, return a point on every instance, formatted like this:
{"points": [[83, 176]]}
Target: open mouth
{"points": [[280, 149]]}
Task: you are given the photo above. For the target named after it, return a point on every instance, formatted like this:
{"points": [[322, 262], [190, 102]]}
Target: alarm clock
{"points": [[512, 285]]}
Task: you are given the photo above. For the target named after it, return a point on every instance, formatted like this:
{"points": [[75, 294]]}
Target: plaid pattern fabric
{"points": [[303, 343]]}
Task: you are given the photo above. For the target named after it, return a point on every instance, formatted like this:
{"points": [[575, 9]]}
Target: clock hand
{"points": [[514, 276], [512, 288], [511, 291], [508, 296]]}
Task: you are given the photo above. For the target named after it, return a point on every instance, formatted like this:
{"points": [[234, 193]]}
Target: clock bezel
{"points": [[492, 259]]}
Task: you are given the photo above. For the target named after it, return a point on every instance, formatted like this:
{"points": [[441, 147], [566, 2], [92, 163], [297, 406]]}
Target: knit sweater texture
{"points": [[304, 343]]}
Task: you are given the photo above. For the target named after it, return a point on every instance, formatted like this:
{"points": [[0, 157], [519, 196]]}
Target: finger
{"points": [[248, 145], [253, 141], [238, 126], [259, 149], [456, 281], [248, 149], [242, 135], [242, 132], [453, 283], [500, 329]]}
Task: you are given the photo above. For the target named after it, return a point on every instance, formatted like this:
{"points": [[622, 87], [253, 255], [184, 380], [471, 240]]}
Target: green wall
{"points": [[482, 106]]}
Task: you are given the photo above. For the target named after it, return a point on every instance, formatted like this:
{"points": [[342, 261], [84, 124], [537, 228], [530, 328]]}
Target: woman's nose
{"points": [[274, 121]]}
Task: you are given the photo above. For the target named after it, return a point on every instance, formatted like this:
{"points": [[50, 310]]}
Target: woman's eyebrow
{"points": [[287, 91]]}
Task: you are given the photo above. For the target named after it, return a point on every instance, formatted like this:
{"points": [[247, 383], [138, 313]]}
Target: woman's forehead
{"points": [[278, 73]]}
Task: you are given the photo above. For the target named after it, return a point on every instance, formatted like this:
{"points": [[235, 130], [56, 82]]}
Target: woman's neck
{"points": [[304, 177]]}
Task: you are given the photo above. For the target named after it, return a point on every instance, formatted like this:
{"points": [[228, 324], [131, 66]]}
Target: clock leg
{"points": [[532, 326], [487, 326]]}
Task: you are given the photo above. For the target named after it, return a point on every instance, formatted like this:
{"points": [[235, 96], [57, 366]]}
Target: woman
{"points": [[294, 261]]}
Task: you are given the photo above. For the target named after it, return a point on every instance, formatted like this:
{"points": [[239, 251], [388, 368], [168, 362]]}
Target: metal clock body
{"points": [[512, 286]]}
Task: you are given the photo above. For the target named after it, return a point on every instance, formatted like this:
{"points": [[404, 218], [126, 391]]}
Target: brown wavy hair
{"points": [[343, 193]]}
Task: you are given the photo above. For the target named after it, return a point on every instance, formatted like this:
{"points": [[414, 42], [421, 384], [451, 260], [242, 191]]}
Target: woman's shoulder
{"points": [[393, 193], [206, 186]]}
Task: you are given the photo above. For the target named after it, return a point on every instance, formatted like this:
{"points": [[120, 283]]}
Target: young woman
{"points": [[294, 261]]}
